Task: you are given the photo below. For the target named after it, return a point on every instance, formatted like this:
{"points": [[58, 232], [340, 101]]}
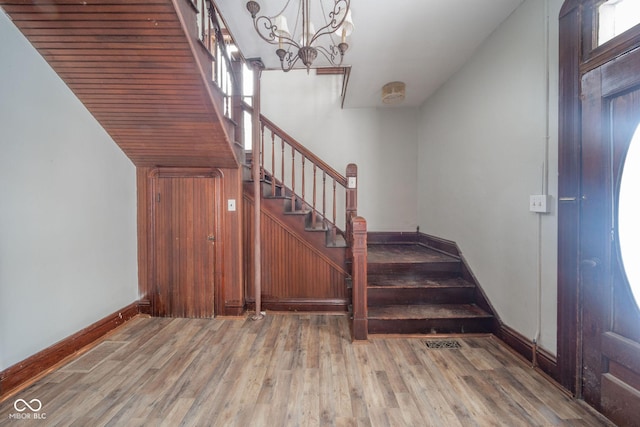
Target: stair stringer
{"points": [[480, 298]]}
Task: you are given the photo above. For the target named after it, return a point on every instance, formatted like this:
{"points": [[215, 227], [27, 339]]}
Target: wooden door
{"points": [[184, 239], [610, 314]]}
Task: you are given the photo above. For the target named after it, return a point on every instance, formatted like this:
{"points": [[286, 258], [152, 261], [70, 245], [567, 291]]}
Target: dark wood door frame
{"points": [[153, 176], [577, 56]]}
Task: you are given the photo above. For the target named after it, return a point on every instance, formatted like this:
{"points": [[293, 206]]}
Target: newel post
{"points": [[257, 184], [359, 278], [236, 99], [351, 206]]}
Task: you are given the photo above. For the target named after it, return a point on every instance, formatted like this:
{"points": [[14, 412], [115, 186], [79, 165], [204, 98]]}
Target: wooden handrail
{"points": [[297, 156], [340, 179]]}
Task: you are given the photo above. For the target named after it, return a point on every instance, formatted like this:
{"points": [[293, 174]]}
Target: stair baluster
{"points": [[302, 175], [313, 205], [324, 200], [273, 161]]}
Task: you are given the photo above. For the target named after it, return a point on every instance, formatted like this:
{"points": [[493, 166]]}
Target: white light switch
{"points": [[351, 182], [231, 205], [539, 203]]}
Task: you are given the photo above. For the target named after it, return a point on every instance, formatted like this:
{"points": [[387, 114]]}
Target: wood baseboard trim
{"points": [[544, 360], [391, 237], [144, 307], [24, 372], [233, 309]]}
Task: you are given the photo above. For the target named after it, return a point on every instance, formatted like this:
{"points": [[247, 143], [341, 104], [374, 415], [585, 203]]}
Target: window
{"points": [[628, 214], [615, 17]]}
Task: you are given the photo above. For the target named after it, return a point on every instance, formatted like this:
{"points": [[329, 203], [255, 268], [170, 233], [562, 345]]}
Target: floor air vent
{"points": [[442, 344]]}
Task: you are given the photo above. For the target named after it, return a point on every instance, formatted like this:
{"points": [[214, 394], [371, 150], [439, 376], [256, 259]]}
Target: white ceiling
{"points": [[419, 42]]}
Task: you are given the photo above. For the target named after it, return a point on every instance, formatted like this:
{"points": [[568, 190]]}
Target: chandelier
{"points": [[304, 42]]}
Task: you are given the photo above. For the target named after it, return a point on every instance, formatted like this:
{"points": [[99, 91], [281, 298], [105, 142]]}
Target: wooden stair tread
{"points": [[405, 254], [415, 281], [427, 311], [302, 212]]}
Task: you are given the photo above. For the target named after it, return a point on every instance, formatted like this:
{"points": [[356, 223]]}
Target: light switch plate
{"points": [[231, 205], [351, 182], [539, 203]]}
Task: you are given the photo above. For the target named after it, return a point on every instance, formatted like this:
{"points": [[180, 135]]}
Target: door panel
{"points": [[184, 246], [610, 316]]}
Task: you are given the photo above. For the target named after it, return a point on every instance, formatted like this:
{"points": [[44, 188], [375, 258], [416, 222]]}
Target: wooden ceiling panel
{"points": [[130, 63]]}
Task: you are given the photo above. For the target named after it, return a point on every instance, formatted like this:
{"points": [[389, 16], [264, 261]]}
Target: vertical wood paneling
{"points": [[136, 69], [185, 258], [229, 246], [145, 287], [569, 137], [294, 274]]}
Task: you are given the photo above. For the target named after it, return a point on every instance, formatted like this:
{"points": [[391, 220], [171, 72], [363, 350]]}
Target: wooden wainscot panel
{"points": [[144, 223], [232, 289], [295, 275]]}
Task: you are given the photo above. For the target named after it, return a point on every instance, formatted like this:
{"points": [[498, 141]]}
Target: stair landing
{"points": [[405, 253]]}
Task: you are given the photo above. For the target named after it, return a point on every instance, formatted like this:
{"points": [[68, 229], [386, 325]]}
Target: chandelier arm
{"points": [[289, 41], [291, 62], [321, 33], [333, 26], [269, 34], [331, 55]]}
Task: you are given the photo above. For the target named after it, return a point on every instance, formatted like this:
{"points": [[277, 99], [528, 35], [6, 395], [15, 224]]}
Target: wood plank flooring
{"points": [[291, 370]]}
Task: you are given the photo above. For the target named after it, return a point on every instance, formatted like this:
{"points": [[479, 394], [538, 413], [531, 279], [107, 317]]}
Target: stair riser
{"points": [[393, 296], [288, 205], [440, 269], [430, 326]]}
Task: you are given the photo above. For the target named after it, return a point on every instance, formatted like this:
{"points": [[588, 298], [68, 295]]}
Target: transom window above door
{"points": [[615, 17]]}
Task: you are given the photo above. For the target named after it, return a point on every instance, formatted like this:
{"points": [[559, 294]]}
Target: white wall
{"points": [[382, 142], [68, 209], [481, 152]]}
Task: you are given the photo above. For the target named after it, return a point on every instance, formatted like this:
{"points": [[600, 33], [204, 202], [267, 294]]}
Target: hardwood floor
{"points": [[290, 370]]}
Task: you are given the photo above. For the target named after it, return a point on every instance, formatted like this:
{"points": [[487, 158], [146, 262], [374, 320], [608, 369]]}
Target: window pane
{"points": [[628, 214], [615, 17]]}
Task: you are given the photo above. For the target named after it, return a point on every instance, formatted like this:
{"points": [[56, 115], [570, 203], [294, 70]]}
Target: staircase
{"points": [[417, 289], [304, 253]]}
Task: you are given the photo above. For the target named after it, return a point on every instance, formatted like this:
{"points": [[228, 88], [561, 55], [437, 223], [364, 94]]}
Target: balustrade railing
{"points": [[313, 185], [211, 35]]}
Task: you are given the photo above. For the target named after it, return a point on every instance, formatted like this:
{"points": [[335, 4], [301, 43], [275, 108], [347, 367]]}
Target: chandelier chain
{"points": [[286, 5]]}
